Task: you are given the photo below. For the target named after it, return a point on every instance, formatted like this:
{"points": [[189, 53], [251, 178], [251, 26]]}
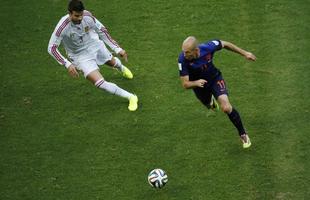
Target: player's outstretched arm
{"points": [[103, 34], [232, 47]]}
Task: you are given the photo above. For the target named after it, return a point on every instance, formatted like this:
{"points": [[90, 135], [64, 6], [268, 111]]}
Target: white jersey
{"points": [[81, 41]]}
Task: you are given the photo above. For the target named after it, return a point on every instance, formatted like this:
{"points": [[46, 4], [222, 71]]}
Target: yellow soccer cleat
{"points": [[127, 73], [214, 105], [133, 103], [246, 142]]}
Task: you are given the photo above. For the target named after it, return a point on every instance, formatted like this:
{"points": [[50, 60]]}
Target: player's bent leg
{"points": [[96, 78], [116, 62]]}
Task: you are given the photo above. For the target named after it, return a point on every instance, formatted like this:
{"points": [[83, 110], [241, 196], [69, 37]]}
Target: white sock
{"points": [[112, 88], [118, 64]]}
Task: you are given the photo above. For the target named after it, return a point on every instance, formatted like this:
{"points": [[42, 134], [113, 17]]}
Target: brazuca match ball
{"points": [[157, 178]]}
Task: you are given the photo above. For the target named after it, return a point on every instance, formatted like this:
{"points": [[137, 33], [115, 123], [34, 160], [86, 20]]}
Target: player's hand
{"points": [[250, 56], [200, 83], [72, 71], [124, 55]]}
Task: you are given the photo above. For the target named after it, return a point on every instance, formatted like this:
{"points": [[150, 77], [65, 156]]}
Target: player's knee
{"points": [[226, 108]]}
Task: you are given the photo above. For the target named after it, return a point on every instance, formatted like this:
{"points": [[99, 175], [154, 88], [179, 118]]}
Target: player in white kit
{"points": [[84, 39]]}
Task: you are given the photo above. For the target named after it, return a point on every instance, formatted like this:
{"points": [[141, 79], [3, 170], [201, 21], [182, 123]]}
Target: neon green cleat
{"points": [[127, 73], [133, 103], [214, 105], [246, 142]]}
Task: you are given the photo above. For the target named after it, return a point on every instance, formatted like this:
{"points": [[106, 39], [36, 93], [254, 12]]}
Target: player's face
{"points": [[76, 17], [191, 54]]}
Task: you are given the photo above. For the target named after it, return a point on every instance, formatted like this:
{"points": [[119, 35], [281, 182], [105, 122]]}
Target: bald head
{"points": [[190, 43], [190, 48]]}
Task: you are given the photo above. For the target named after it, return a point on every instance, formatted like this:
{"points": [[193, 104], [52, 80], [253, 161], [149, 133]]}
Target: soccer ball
{"points": [[157, 178]]}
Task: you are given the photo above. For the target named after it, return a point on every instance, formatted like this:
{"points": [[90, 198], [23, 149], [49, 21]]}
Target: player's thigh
{"points": [[220, 92], [218, 87], [87, 67], [223, 100], [204, 95], [103, 55]]}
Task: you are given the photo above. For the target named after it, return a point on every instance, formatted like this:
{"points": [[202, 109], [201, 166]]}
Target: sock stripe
{"points": [[99, 83]]}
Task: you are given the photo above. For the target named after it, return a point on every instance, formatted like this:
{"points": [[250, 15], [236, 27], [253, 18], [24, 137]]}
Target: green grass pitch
{"points": [[61, 138]]}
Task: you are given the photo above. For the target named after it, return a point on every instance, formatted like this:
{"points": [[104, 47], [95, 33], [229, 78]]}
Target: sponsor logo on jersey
{"points": [[86, 29]]}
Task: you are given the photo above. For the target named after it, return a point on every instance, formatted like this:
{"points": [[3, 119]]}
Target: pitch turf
{"points": [[63, 139]]}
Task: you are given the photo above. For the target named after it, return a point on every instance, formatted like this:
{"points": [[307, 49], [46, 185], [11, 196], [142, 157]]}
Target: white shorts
{"points": [[89, 62]]}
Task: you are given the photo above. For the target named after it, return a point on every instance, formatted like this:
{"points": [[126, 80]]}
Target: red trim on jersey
{"points": [[62, 27], [105, 31], [57, 55]]}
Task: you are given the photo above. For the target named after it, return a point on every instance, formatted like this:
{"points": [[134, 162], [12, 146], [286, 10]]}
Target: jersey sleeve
{"points": [[214, 45], [102, 32], [183, 71], [54, 43]]}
